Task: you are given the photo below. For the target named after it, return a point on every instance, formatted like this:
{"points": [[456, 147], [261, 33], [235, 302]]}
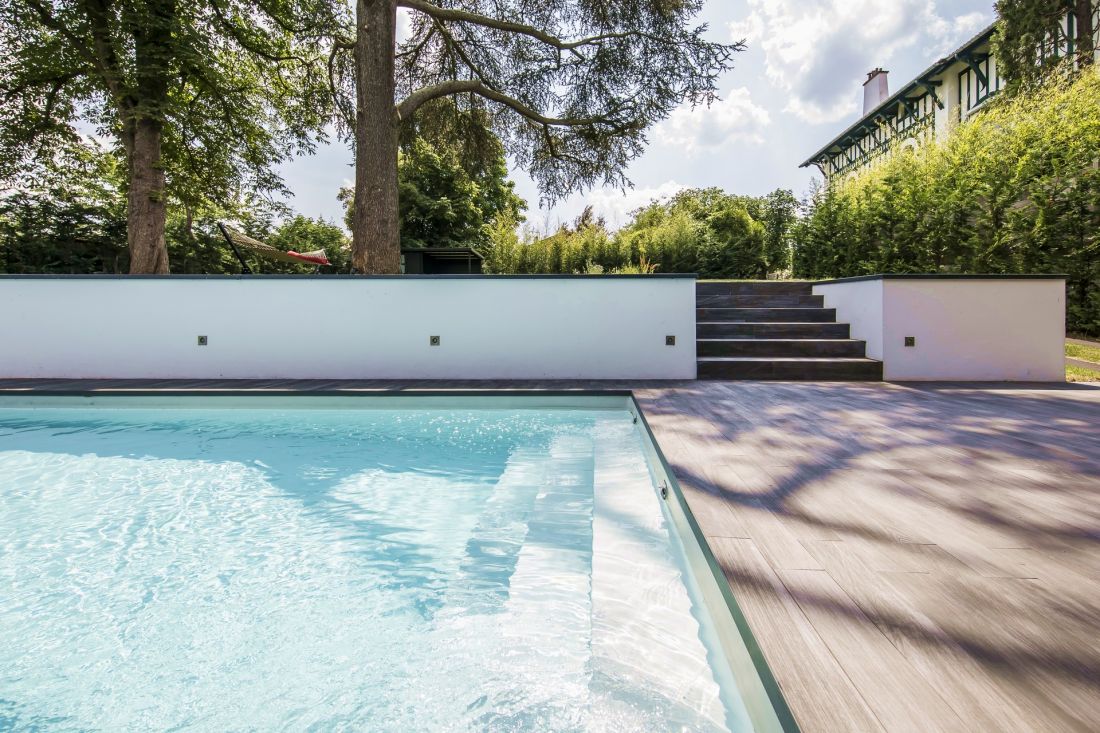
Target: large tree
{"points": [[1029, 32], [569, 86], [449, 194], [202, 97]]}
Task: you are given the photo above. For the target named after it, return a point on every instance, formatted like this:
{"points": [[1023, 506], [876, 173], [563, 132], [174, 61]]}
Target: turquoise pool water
{"points": [[344, 569]]}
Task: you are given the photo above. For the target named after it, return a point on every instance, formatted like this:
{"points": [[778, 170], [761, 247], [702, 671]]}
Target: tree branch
{"points": [[486, 21], [236, 34], [106, 63], [107, 59], [449, 88], [347, 116]]}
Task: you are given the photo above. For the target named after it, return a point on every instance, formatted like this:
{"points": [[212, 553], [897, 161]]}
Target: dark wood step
{"points": [[759, 301], [717, 330], [770, 315], [791, 369], [753, 287], [782, 347]]}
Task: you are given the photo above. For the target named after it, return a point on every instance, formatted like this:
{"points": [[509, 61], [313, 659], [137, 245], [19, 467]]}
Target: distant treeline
{"points": [[705, 231]]}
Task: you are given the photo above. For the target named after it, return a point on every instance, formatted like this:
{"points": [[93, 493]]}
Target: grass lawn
{"points": [[1083, 353], [1076, 374]]}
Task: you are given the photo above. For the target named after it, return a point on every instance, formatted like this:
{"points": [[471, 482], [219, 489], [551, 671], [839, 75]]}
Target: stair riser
{"points": [[759, 301], [759, 287], [782, 349], [870, 371], [773, 330], [768, 315]]}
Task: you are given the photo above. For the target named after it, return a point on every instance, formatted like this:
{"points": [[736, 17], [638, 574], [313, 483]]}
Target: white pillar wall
{"points": [[964, 328], [488, 327]]}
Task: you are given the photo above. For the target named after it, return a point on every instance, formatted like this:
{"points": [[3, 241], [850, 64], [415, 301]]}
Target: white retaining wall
{"points": [[348, 328], [965, 329]]}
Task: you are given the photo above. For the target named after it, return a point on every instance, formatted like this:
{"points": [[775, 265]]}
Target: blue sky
{"points": [[792, 90]]}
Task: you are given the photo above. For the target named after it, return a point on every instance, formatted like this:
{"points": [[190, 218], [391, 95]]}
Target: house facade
{"points": [[925, 108]]}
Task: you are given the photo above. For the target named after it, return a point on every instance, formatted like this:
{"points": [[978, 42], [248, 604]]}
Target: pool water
{"points": [[215, 569]]}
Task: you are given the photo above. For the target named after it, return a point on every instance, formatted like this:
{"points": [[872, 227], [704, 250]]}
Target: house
{"points": [[925, 108]]}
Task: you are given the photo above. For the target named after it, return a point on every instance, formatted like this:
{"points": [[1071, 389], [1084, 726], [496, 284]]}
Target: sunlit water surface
{"points": [[358, 569]]}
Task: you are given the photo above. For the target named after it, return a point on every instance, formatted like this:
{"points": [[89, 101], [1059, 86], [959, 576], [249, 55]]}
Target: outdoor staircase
{"points": [[775, 330]]}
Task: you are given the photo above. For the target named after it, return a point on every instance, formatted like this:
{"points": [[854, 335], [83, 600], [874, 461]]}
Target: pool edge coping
{"points": [[787, 721]]}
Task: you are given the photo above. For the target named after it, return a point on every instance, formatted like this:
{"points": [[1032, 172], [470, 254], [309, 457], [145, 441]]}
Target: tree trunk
{"points": [[146, 210], [375, 236], [1085, 44]]}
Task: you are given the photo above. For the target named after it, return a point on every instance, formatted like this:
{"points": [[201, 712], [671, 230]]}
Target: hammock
{"points": [[238, 241]]}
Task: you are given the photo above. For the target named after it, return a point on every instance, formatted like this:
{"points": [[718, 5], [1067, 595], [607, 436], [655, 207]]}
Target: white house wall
{"points": [[348, 328]]}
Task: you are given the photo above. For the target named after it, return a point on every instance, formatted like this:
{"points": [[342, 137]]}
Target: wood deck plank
{"points": [[827, 699]]}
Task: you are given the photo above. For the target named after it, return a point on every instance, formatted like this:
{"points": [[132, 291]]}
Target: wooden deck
{"points": [[910, 558]]}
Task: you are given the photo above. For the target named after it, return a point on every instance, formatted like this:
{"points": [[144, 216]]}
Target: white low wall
{"points": [[965, 328], [611, 327]]}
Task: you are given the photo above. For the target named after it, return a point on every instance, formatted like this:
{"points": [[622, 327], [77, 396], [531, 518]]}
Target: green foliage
{"points": [[449, 196], [569, 86], [1023, 28], [1030, 42], [226, 89], [67, 215], [1015, 189], [705, 231]]}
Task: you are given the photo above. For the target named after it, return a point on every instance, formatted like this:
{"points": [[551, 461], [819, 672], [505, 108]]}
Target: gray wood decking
{"points": [[910, 558]]}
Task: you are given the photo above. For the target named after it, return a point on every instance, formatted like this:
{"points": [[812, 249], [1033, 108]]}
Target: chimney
{"points": [[876, 89]]}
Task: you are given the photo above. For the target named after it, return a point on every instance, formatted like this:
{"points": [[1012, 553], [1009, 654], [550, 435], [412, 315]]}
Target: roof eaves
{"points": [[896, 98]]}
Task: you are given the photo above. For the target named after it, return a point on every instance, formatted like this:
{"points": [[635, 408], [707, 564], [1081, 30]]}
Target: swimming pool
{"points": [[218, 563]]}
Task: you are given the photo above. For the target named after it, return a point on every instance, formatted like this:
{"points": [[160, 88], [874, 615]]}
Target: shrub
{"points": [[1014, 189]]}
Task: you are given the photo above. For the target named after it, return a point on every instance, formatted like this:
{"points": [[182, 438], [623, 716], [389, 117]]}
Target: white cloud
{"points": [[733, 119], [404, 25], [817, 51], [615, 206]]}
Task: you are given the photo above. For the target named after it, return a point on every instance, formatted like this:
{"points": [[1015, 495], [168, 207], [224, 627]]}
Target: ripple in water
{"points": [[383, 570]]}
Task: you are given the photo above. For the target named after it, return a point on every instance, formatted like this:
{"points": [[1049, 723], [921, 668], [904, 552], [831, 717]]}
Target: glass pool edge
{"points": [[766, 705]]}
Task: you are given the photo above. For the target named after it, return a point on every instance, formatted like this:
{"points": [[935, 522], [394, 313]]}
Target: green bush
{"points": [[703, 231], [1014, 189]]}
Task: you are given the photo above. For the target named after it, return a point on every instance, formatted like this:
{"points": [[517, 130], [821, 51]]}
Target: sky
{"points": [[795, 87]]}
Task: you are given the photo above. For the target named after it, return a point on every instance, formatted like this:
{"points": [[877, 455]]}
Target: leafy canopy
{"points": [[236, 86], [450, 195], [568, 86], [67, 214], [1031, 32]]}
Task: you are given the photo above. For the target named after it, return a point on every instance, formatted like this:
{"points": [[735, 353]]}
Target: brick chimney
{"points": [[876, 89]]}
